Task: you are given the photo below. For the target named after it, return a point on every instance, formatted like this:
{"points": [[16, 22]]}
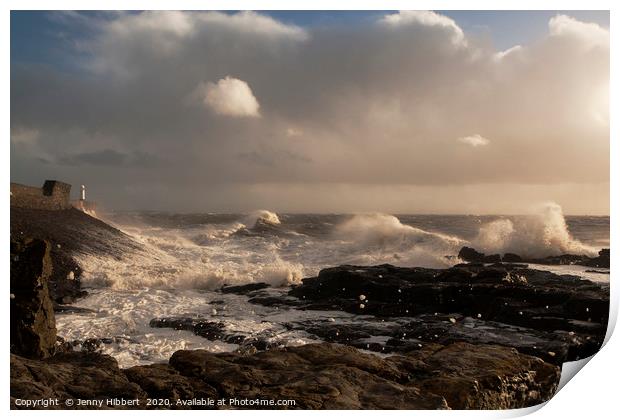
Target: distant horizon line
{"points": [[314, 213]]}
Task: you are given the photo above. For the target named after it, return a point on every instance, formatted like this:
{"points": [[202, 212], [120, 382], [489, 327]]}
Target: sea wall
{"points": [[86, 206], [54, 195]]}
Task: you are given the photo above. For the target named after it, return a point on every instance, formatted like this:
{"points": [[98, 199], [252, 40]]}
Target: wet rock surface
{"points": [[215, 330], [33, 327], [245, 288], [401, 337], [83, 375], [314, 376], [601, 261], [556, 317], [503, 293]]}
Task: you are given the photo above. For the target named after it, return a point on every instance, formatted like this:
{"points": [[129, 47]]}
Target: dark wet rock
{"points": [[602, 261], [244, 289], [65, 282], [325, 376], [500, 293], [163, 381], [210, 330], [315, 376], [70, 375], [470, 254], [494, 258], [69, 309], [276, 301], [487, 377], [511, 258], [215, 331], [89, 345], [402, 335], [33, 326], [565, 314], [553, 347]]}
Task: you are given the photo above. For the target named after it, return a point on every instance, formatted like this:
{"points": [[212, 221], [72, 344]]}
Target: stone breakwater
{"points": [[68, 232]]}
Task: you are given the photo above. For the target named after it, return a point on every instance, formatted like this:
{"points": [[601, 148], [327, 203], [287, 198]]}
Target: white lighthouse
{"points": [[82, 193]]}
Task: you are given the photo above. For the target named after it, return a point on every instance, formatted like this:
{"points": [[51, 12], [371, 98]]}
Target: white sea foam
{"points": [[208, 256], [178, 268], [542, 234], [377, 237], [197, 258], [124, 316], [264, 216]]}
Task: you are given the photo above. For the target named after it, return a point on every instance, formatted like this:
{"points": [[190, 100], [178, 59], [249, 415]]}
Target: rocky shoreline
{"points": [[314, 376], [472, 256], [481, 335]]}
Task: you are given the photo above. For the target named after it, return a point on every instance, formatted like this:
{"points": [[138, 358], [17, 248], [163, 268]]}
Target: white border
{"points": [[593, 394]]}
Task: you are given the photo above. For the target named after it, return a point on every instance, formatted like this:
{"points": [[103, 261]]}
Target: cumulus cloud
{"points": [[174, 23], [127, 44], [230, 97], [426, 18], [379, 105], [589, 33], [474, 140], [254, 24]]}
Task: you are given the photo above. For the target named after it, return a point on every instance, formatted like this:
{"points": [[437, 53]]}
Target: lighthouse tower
{"points": [[82, 204]]}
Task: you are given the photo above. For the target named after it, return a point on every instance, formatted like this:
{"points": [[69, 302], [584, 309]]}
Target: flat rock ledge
{"points": [[556, 317], [315, 376], [601, 261]]}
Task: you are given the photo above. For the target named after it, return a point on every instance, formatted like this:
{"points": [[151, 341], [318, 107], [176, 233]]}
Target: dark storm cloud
{"points": [[271, 158], [104, 157], [109, 157], [179, 102]]}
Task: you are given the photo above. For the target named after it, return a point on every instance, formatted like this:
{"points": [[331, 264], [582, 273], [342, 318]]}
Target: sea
{"points": [[186, 258]]}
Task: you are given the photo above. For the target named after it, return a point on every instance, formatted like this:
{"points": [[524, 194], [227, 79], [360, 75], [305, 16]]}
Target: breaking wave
{"points": [[537, 236], [261, 216], [205, 257], [261, 247], [383, 238]]}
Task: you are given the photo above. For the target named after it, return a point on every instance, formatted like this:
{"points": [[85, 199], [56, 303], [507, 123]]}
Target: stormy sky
{"points": [[401, 112]]}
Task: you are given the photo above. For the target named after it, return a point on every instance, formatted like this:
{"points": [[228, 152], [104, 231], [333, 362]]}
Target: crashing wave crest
{"points": [[261, 216], [537, 236], [379, 237], [177, 259]]}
